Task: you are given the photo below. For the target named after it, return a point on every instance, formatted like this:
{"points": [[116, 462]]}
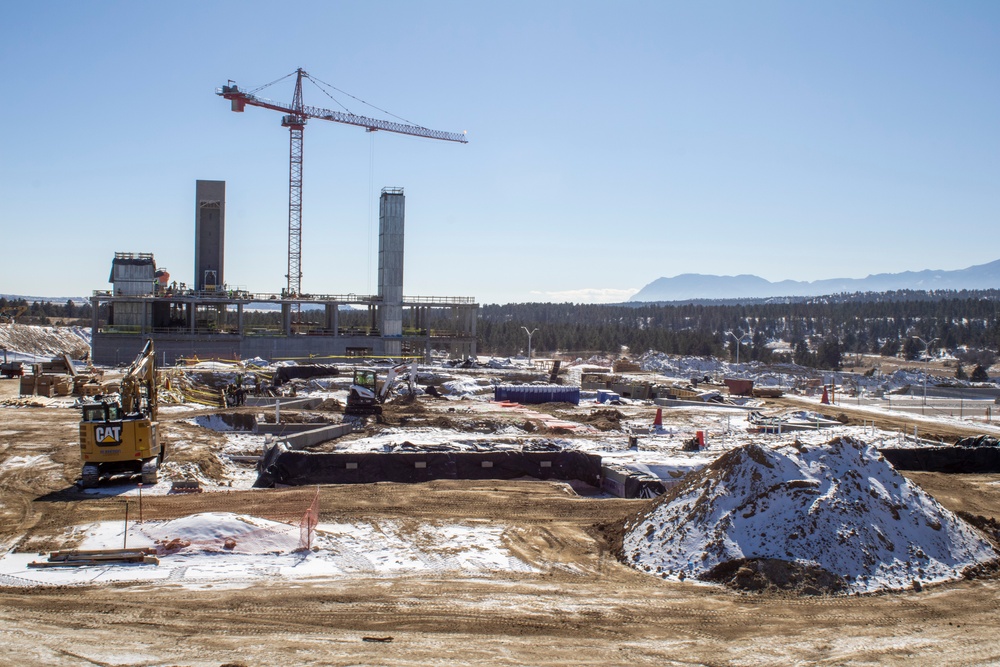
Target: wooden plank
{"points": [[69, 364]]}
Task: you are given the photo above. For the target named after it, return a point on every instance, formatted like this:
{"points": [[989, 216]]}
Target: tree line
{"points": [[39, 311], [819, 331]]}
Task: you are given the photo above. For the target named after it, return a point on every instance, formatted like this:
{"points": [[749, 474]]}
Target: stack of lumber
{"points": [[98, 557]]}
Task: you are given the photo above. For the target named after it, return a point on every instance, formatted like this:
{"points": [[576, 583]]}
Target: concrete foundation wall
{"points": [[316, 436], [967, 460]]}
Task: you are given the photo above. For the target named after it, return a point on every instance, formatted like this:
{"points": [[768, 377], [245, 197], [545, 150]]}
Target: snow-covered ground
{"points": [[794, 497], [221, 549]]}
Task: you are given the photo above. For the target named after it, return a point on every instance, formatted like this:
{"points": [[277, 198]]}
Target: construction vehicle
{"points": [[118, 434], [9, 314], [366, 395], [362, 397], [11, 369]]}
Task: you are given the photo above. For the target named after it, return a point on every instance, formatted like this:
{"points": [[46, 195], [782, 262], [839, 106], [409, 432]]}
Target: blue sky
{"points": [[609, 143]]}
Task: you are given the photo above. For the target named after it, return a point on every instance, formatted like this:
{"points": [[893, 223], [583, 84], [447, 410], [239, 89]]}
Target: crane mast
{"points": [[295, 118], [295, 122]]}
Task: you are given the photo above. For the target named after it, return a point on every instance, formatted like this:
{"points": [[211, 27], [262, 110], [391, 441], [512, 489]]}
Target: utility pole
{"points": [[739, 343], [927, 351], [529, 340]]}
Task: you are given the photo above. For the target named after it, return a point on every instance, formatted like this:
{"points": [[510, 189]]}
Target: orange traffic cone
{"points": [[658, 422], [826, 397]]}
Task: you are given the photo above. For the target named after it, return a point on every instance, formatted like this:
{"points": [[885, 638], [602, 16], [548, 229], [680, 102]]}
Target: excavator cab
{"points": [[365, 378], [103, 410]]}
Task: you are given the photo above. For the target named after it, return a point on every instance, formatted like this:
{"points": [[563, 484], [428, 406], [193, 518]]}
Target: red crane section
{"points": [[296, 115]]}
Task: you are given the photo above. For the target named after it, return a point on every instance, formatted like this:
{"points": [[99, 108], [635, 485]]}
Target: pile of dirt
{"points": [[330, 405], [607, 419], [46, 341], [989, 525], [772, 574], [836, 512], [403, 406]]}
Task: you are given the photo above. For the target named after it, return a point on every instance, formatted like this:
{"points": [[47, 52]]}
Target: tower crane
{"points": [[296, 115]]}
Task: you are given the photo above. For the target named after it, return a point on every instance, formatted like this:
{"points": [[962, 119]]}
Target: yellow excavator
{"points": [[118, 435]]}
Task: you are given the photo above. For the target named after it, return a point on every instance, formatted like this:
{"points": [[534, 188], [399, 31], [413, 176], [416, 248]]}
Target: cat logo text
{"points": [[108, 435]]}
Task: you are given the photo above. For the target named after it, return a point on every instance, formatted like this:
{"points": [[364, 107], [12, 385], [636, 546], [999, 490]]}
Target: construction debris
{"points": [[186, 486], [98, 557]]}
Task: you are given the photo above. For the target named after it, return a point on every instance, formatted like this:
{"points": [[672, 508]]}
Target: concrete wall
{"points": [[113, 349], [209, 232], [316, 435]]}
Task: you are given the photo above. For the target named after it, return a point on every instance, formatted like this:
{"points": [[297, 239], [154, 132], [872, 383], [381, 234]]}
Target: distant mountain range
{"points": [[693, 286]]}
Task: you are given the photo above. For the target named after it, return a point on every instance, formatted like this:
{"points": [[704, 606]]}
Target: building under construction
{"points": [[209, 320]]}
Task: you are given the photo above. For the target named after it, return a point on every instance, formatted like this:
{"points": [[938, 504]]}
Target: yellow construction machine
{"points": [[118, 434]]}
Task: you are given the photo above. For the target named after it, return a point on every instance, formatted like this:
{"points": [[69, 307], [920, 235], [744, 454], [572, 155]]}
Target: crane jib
{"points": [[232, 93]]}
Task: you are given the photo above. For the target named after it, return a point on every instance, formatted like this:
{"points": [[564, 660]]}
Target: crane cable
{"points": [[260, 88], [371, 196], [318, 81], [311, 80]]}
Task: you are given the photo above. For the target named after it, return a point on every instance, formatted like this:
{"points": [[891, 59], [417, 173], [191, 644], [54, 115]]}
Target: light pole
{"points": [[739, 342], [529, 340], [927, 351]]}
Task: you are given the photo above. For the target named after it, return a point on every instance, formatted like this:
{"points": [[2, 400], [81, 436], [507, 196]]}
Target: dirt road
{"points": [[928, 429], [581, 606]]}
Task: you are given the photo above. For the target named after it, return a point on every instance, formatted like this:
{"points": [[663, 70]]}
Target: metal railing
{"points": [[238, 295]]}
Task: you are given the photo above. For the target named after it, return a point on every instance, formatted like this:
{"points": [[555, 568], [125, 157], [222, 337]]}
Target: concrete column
{"points": [[286, 318], [210, 234], [392, 206], [239, 319], [190, 315]]}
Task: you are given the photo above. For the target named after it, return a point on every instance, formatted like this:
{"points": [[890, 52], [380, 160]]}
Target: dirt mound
{"points": [[605, 420], [772, 574], [404, 406], [45, 341], [838, 507], [330, 405], [989, 525]]}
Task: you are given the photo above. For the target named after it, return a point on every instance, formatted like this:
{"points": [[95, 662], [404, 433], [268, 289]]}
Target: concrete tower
{"points": [[209, 234], [391, 213]]}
